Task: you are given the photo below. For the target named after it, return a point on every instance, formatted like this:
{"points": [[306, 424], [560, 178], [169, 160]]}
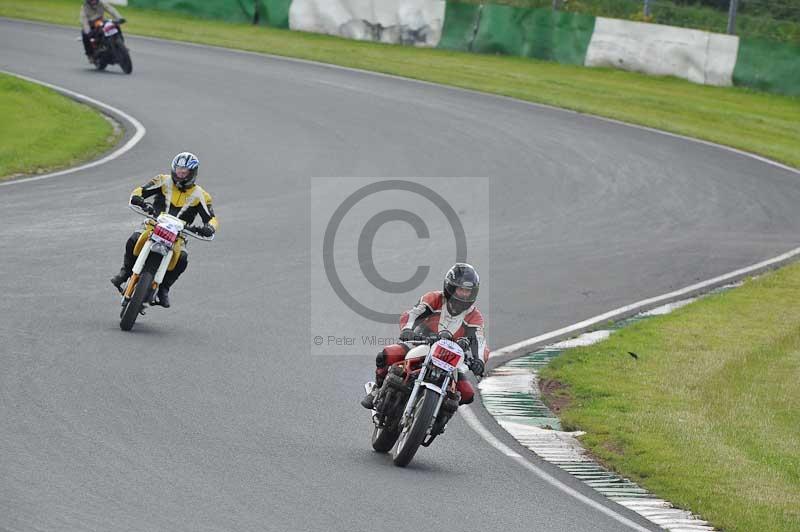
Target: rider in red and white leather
{"points": [[450, 312]]}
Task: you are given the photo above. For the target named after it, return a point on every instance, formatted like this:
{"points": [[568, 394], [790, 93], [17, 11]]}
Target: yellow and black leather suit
{"points": [[185, 204]]}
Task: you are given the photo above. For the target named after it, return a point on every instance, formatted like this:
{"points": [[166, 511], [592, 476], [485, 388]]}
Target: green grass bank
{"points": [[762, 123], [708, 416], [41, 130]]}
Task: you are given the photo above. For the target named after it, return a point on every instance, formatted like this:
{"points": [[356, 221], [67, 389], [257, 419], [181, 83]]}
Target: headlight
{"points": [[159, 248], [435, 374]]}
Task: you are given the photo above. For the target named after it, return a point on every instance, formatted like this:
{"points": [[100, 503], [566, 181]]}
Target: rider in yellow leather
{"points": [[178, 195]]}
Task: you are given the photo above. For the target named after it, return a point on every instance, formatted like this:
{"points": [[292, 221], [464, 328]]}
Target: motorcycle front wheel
{"points": [[131, 310], [414, 433], [122, 56]]}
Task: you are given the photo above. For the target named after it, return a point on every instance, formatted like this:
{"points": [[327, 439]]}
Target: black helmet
{"points": [[92, 3], [461, 287], [187, 161]]}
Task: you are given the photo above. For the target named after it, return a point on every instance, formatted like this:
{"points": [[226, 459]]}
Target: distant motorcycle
{"points": [[418, 397], [152, 264], [109, 45]]}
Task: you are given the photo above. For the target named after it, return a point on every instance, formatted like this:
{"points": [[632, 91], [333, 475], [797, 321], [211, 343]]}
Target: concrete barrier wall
{"points": [[698, 56], [415, 22]]}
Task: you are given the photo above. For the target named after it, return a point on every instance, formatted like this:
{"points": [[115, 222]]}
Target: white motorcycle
{"points": [[418, 397], [166, 233]]}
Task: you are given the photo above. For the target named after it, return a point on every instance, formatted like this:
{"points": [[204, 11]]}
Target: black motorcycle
{"points": [[109, 45]]}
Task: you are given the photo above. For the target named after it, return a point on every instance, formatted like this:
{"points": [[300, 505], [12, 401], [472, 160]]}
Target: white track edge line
{"points": [[133, 141], [731, 149], [484, 433], [530, 342]]}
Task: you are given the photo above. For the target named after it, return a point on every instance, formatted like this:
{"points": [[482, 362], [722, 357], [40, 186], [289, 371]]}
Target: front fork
{"points": [[419, 383], [138, 266]]}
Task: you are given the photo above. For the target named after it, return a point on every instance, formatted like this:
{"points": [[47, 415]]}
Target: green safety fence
{"points": [[539, 33], [274, 13], [267, 12], [768, 65], [459, 27]]}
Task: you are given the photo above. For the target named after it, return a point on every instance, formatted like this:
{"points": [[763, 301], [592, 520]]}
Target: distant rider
{"points": [[450, 313], [178, 195], [90, 11]]}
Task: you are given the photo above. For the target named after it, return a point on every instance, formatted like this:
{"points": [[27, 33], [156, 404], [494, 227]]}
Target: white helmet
{"points": [[182, 162]]}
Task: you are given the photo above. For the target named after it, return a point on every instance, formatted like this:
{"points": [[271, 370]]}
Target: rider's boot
{"points": [[127, 263], [393, 377], [121, 277], [368, 401], [163, 296]]}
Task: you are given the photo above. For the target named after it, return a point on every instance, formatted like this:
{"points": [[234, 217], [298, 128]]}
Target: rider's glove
{"points": [[406, 335], [476, 366], [137, 200], [445, 335], [463, 342], [206, 231], [121, 20]]}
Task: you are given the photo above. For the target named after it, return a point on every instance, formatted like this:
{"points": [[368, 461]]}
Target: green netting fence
{"points": [[768, 65], [267, 12], [538, 33]]}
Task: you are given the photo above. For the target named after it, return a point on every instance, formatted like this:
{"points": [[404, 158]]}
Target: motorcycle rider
{"points": [[178, 195], [450, 313], [92, 10]]}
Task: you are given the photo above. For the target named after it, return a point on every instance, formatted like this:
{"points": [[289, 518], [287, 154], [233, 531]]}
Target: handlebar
{"points": [[419, 339], [187, 230]]}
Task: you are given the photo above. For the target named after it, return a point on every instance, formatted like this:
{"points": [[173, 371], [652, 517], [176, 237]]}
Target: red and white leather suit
{"points": [[431, 312]]}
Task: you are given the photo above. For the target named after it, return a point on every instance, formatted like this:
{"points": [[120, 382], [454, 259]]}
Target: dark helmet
{"points": [[461, 285], [189, 164], [92, 3]]}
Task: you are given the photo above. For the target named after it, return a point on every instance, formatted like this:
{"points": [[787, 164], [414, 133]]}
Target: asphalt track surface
{"points": [[211, 416]]}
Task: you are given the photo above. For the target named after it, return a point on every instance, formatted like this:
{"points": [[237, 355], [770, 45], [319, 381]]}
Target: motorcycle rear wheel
{"points": [[384, 438], [412, 436], [134, 305]]}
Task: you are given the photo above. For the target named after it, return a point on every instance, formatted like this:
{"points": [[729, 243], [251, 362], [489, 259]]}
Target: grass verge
{"points": [[708, 416], [42, 130], [761, 123]]}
